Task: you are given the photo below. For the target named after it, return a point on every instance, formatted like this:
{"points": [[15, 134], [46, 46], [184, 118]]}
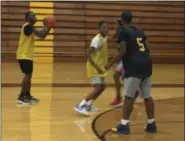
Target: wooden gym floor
{"points": [[61, 86]]}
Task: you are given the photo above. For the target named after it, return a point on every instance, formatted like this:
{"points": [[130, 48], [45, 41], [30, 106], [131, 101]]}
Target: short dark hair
{"points": [[27, 14], [101, 23], [126, 16]]}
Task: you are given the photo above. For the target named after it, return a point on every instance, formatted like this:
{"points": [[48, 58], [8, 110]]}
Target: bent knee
{"points": [[100, 88]]}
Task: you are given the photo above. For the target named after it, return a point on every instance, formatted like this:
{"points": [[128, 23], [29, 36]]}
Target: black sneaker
{"points": [[151, 128], [121, 129], [23, 100], [33, 100]]}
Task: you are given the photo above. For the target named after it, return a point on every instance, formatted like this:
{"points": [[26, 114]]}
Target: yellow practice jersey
{"points": [[26, 45], [100, 56]]}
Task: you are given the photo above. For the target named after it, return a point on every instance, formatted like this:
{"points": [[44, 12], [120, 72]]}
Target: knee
{"points": [[101, 88], [128, 99]]}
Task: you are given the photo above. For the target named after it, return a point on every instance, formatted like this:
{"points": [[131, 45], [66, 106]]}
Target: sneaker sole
{"points": [[80, 112], [21, 103], [117, 106]]}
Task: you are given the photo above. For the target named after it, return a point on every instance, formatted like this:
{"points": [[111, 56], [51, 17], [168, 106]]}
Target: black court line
{"points": [[94, 122], [102, 136]]}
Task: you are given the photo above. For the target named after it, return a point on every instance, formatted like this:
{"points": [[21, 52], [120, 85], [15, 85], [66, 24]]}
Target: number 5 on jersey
{"points": [[140, 44]]}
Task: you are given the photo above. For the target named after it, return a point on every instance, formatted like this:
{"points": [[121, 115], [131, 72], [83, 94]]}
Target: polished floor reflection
{"points": [[54, 118], [164, 119]]}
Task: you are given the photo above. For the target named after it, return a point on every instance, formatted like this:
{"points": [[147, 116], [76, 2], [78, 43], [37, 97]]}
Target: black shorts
{"points": [[26, 66]]}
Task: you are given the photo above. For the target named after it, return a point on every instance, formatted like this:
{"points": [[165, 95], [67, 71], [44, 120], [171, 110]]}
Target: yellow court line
{"points": [[42, 9], [42, 73]]}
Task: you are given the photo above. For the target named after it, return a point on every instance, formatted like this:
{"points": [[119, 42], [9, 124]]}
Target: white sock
{"points": [[150, 121], [89, 102], [83, 102], [125, 122]]}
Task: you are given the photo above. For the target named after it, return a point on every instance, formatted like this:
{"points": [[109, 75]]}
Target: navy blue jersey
{"points": [[137, 60]]}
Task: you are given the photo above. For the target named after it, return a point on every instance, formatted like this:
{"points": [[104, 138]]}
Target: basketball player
{"points": [[97, 59], [25, 54], [137, 62], [117, 102]]}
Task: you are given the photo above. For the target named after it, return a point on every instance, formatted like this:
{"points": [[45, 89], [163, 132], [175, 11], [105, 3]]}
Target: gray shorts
{"points": [[97, 80], [132, 84]]}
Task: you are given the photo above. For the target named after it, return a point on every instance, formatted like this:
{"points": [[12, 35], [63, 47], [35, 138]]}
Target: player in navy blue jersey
{"points": [[135, 56], [119, 72]]}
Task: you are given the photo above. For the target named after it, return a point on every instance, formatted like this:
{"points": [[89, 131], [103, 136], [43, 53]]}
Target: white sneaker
{"points": [[81, 110], [92, 108]]}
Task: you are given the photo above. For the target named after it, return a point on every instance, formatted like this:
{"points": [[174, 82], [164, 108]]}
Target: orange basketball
{"points": [[51, 21]]}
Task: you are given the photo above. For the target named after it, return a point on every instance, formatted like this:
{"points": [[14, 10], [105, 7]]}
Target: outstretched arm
{"points": [[122, 39], [42, 33], [29, 29], [122, 51]]}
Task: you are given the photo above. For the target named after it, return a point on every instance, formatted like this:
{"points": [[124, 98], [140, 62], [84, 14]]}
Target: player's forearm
{"points": [[42, 33], [113, 61]]}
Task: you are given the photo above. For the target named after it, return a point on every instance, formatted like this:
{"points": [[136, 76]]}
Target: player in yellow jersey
{"points": [[25, 54], [97, 60]]}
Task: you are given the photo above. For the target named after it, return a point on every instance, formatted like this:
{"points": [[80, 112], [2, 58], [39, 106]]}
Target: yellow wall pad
{"points": [[42, 9]]}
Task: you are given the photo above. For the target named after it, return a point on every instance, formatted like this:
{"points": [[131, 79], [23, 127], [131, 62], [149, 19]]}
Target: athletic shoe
{"points": [[91, 108], [151, 128], [81, 110], [23, 100], [33, 100], [121, 129], [116, 103]]}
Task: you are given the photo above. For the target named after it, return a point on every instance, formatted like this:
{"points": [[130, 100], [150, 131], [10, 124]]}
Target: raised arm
{"points": [[44, 31]]}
